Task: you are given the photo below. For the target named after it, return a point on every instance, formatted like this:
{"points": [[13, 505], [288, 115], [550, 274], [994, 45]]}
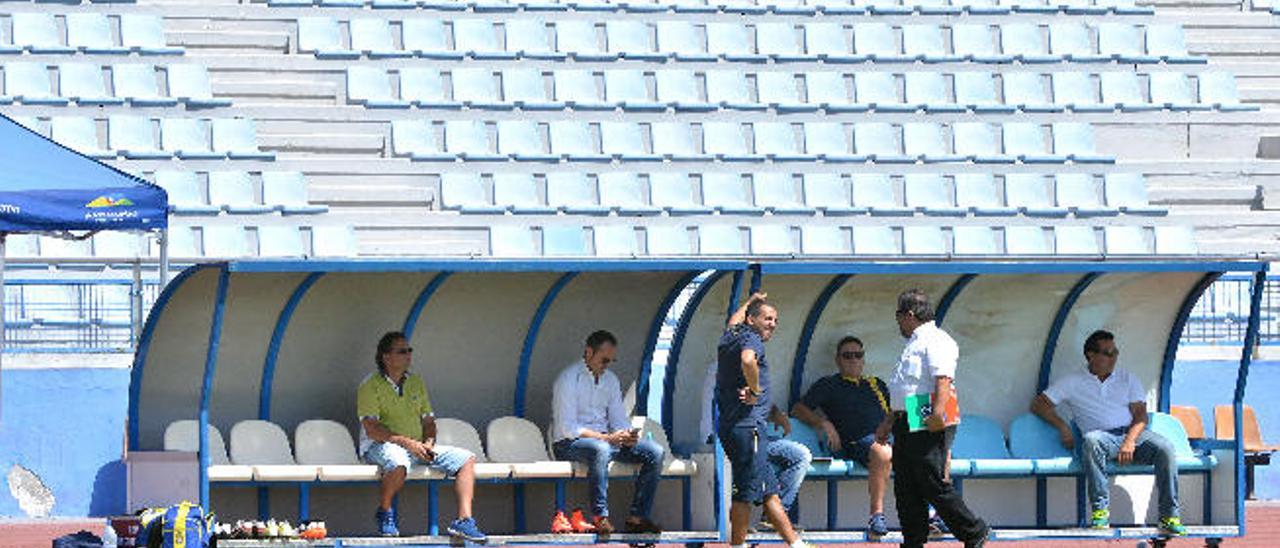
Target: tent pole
{"points": [[164, 257], [135, 304]]}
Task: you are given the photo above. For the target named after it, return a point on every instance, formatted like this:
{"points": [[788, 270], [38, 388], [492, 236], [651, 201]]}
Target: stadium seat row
{"points": [[233, 192], [876, 142], [625, 194], [67, 305], [86, 84], [679, 90], [134, 137], [86, 32], [748, 7], [781, 239], [213, 241], [733, 42]]}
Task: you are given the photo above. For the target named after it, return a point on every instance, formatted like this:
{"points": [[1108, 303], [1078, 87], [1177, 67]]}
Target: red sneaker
{"points": [[580, 523], [560, 524]]}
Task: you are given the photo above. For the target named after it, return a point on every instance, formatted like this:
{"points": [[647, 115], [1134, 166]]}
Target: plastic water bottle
{"points": [[109, 538]]}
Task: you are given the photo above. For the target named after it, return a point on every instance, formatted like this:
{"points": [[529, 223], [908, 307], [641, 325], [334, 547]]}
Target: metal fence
{"points": [[1221, 315]]}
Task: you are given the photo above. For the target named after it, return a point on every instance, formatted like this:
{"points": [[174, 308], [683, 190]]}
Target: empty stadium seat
{"points": [[979, 193], [1167, 42], [1026, 43], [333, 241], [417, 140], [424, 88], [322, 37], [627, 89], [1128, 191], [879, 91], [265, 447], [879, 142], [238, 139], [1075, 90], [928, 91], [574, 194], [828, 192], [233, 192], [1218, 89], [974, 240], [926, 142], [144, 35], [1079, 193], [730, 90], [187, 138], [827, 90], [190, 84], [667, 240], [875, 192], [573, 141], [280, 241], [457, 433], [828, 42], [79, 134], [776, 141], [778, 91], [29, 83], [674, 141], [518, 192], [328, 446], [525, 89], [719, 239], [38, 33], [1175, 240], [286, 191], [561, 240], [183, 435], [372, 37], [624, 141], [371, 87], [829, 141], [84, 84], [976, 91], [624, 192], [91, 33], [1028, 193], [1026, 240], [976, 43], [772, 240], [615, 241], [875, 240], [478, 39], [521, 140], [729, 194], [1027, 91], [977, 141], [776, 193], [138, 84], [1075, 240], [823, 240], [678, 90], [680, 40], [877, 42], [519, 442], [181, 241], [1072, 41], [923, 240], [579, 39], [185, 197], [929, 193], [1126, 240], [469, 140], [223, 241]]}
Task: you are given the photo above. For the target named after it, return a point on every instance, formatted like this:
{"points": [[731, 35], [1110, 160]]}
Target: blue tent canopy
{"points": [[45, 186]]}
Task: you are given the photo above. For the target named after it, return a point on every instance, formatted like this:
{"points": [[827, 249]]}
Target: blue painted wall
{"points": [[1204, 384], [66, 426]]}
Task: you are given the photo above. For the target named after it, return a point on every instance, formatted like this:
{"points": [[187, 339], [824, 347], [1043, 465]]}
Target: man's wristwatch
{"points": [[754, 393]]}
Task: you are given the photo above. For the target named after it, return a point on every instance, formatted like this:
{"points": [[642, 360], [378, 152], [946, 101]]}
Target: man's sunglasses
{"points": [[1108, 353], [405, 350], [849, 355]]}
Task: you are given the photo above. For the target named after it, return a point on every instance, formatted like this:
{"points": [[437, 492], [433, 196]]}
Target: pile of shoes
{"points": [[270, 529]]}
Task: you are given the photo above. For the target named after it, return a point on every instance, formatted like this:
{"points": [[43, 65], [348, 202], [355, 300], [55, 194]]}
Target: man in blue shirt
{"points": [[743, 400]]}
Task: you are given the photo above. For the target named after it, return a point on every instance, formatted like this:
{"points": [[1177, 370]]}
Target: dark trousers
{"points": [[918, 461]]}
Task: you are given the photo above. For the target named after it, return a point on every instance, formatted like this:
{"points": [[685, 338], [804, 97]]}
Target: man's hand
{"points": [[1068, 440], [935, 423], [777, 417], [745, 396], [885, 428], [420, 450], [757, 296], [833, 437], [1125, 456]]}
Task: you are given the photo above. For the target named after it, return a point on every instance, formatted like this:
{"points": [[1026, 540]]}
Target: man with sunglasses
{"points": [[1109, 405], [398, 429], [846, 407], [591, 426]]}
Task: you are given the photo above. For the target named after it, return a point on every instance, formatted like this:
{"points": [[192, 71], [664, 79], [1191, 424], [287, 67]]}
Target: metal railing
{"points": [[1222, 314]]}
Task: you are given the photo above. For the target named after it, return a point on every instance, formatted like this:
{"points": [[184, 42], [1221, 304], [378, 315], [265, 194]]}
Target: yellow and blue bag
{"points": [[183, 525]]}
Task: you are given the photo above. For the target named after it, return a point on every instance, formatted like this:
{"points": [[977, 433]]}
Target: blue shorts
{"points": [[859, 449], [753, 478], [389, 456]]}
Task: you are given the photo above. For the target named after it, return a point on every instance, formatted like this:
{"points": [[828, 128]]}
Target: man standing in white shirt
{"points": [[1110, 407], [927, 366], [591, 426]]}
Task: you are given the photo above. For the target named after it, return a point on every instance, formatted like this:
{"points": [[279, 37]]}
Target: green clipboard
{"points": [[919, 406]]}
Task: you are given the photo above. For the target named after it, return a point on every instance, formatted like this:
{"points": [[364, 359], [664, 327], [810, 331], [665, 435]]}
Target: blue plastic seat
{"points": [[925, 141], [1176, 240], [729, 194], [321, 37], [577, 89], [877, 42], [1168, 42], [530, 38], [776, 193], [923, 240], [1026, 43], [827, 90], [1125, 240], [1075, 141], [674, 141], [91, 33], [144, 34], [778, 91], [511, 241], [729, 89], [185, 197], [521, 140], [518, 192], [1075, 240], [572, 141], [188, 138], [1026, 90], [573, 193], [624, 192], [823, 240], [80, 134], [478, 39], [1028, 193], [579, 39], [286, 191], [427, 38], [469, 140], [1122, 91], [83, 83], [829, 141], [417, 140], [29, 83], [974, 42], [1079, 193], [525, 88], [879, 90], [674, 192], [1172, 430], [977, 142], [925, 43], [1026, 240], [134, 137], [464, 192], [879, 142], [974, 240], [928, 90], [237, 138], [875, 240], [190, 84], [624, 141], [1072, 41], [668, 240], [1128, 191], [719, 239], [38, 33], [1075, 90], [233, 192], [772, 239], [1123, 42], [976, 91], [929, 193], [829, 193], [1025, 141], [779, 42], [827, 41], [371, 87], [137, 83], [978, 192], [476, 88], [681, 41], [731, 42], [1031, 438], [630, 40], [875, 192], [726, 142], [1171, 90], [678, 89], [777, 142], [423, 87], [627, 88], [1219, 90], [372, 37], [615, 241]]}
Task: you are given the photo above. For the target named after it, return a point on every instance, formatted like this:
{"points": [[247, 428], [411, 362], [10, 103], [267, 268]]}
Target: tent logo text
{"points": [[109, 201], [10, 209]]}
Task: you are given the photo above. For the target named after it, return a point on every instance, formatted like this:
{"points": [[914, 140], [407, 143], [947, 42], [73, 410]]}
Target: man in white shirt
{"points": [[1110, 407], [927, 366], [591, 426]]}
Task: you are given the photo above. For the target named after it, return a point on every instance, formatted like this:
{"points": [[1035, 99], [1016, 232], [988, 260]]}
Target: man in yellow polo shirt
{"points": [[399, 430]]}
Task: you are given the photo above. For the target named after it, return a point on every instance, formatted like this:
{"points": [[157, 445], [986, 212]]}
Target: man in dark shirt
{"points": [[847, 407], [742, 398]]}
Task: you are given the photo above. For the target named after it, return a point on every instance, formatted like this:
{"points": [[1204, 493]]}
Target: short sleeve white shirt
{"points": [[930, 353], [580, 401], [1095, 404]]}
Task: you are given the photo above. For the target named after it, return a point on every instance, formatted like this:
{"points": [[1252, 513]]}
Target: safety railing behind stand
{"points": [[75, 315], [1222, 314]]}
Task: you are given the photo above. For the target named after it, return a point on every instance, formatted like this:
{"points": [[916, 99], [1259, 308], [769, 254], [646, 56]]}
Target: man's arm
{"points": [[750, 372], [817, 422], [1044, 408], [565, 402], [1138, 423], [937, 421], [740, 315]]}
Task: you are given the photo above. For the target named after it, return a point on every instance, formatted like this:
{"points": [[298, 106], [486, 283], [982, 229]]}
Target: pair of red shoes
{"points": [[577, 523]]}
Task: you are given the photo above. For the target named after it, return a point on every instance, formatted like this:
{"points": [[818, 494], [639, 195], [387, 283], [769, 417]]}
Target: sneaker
{"points": [[1172, 526], [937, 527], [1100, 519], [560, 523], [602, 526], [980, 541], [765, 526], [877, 526], [638, 524], [386, 520], [467, 529], [579, 522]]}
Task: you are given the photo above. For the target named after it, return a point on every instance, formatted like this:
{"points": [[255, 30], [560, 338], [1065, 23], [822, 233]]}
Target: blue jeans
{"points": [[596, 454], [790, 460], [1101, 446]]}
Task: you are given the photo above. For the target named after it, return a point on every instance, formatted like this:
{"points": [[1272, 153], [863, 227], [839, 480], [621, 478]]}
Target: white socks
{"points": [[737, 546], [799, 543]]}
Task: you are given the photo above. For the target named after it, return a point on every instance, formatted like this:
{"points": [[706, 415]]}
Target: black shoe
{"points": [[981, 541]]}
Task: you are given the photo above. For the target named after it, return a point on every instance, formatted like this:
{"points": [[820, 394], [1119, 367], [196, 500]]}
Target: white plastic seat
{"points": [[280, 241], [520, 443], [923, 240], [83, 83], [287, 192], [238, 139], [1026, 240], [460, 434], [138, 84], [671, 465], [1125, 240], [223, 241], [426, 38], [668, 240], [265, 447], [874, 240], [190, 84], [823, 240], [729, 89], [182, 435], [233, 192], [674, 140], [974, 240], [511, 241], [91, 33], [627, 88], [187, 138], [424, 87], [720, 239], [329, 446], [80, 134], [184, 193], [1175, 240], [333, 241]]}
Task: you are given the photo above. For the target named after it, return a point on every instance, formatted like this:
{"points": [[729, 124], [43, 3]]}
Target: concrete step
{"points": [[236, 42], [329, 145]]}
